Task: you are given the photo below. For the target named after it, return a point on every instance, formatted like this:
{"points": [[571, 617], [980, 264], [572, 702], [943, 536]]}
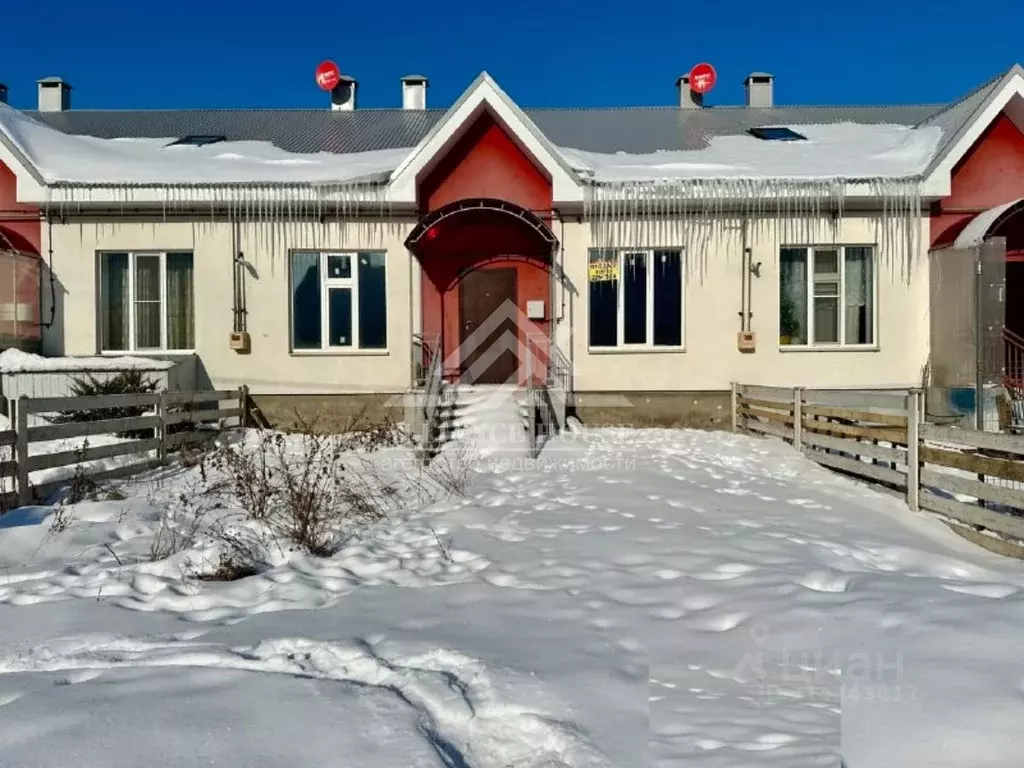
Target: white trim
{"points": [[942, 167], [133, 348], [328, 283], [484, 94], [620, 313], [841, 345]]}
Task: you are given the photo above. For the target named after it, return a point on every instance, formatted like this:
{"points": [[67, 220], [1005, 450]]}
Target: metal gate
{"points": [[967, 362]]}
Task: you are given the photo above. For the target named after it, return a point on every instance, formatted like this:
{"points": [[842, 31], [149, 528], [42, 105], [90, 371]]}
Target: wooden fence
{"points": [[974, 478], [176, 419]]}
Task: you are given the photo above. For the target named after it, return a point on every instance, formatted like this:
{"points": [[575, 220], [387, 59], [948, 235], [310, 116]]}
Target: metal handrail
{"points": [[433, 383]]}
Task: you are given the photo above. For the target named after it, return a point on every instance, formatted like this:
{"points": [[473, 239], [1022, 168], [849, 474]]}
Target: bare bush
{"points": [[306, 494], [452, 468], [179, 528]]}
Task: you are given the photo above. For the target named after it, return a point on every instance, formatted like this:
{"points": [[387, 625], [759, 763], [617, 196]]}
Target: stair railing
{"points": [[433, 383]]}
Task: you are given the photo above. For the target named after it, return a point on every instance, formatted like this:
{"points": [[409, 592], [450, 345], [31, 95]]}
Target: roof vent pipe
{"points": [[688, 98], [3, 93], [54, 95], [343, 97], [759, 89]]}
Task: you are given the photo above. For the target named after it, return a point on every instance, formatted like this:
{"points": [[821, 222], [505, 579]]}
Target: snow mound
{"points": [[838, 151], [70, 159], [18, 361]]}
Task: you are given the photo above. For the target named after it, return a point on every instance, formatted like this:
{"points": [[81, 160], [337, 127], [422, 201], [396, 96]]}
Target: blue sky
{"points": [[223, 53]]}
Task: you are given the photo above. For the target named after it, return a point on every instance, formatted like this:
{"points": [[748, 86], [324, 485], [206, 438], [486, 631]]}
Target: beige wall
{"points": [[270, 368], [711, 359], [712, 303]]}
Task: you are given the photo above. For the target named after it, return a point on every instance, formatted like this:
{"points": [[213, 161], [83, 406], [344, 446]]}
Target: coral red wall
{"points": [[19, 278], [17, 218], [991, 173], [485, 162]]}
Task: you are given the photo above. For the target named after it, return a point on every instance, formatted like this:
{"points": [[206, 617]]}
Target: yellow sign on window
{"points": [[601, 271]]}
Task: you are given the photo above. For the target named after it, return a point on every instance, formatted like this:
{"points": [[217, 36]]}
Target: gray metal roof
{"points": [[634, 129]]}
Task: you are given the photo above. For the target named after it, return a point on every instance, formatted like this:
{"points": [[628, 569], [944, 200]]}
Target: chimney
{"points": [[688, 99], [759, 89], [3, 93], [414, 92], [54, 95], [343, 97]]}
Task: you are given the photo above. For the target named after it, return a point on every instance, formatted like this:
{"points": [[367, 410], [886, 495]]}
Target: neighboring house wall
{"points": [[271, 367], [17, 218], [991, 173], [712, 303]]}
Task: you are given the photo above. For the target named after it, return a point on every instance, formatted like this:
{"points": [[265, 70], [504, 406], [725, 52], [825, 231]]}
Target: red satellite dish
{"points": [[702, 78], [328, 75]]}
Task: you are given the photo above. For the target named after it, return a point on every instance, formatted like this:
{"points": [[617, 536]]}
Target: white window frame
{"points": [[620, 304], [326, 284], [809, 251], [132, 347]]}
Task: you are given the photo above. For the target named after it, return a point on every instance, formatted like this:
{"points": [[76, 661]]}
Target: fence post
{"points": [[161, 412], [798, 418], [913, 448], [734, 400], [21, 452], [243, 406]]}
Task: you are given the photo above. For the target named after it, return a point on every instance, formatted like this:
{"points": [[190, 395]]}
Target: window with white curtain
{"points": [[339, 300], [146, 301], [827, 296], [636, 298]]}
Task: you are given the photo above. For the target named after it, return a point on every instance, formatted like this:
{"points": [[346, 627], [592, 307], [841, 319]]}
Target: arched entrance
{"points": [[1003, 221], [486, 289]]}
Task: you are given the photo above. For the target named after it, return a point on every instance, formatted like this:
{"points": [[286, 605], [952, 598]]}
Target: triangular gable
{"points": [[15, 158], [969, 129], [484, 94]]}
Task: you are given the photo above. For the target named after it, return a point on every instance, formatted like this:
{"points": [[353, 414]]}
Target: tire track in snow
{"points": [[460, 712]]}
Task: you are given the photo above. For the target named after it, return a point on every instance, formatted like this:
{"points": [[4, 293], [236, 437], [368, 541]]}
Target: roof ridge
{"points": [[577, 108], [973, 92], [672, 108]]}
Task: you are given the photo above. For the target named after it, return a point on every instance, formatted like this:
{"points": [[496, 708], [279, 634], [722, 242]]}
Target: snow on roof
{"points": [[844, 151], [17, 361], [64, 158]]}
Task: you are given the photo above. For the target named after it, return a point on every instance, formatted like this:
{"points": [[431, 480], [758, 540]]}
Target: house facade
{"points": [[644, 258]]}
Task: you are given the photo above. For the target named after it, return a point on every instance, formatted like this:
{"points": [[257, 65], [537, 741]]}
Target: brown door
{"points": [[487, 326]]}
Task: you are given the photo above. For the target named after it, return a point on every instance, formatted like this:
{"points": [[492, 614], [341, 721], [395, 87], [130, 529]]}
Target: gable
{"points": [[989, 174], [486, 162], [483, 97]]}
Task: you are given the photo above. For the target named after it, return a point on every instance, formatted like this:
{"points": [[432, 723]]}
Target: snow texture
{"points": [[633, 598], [17, 361], [64, 158], [835, 151]]}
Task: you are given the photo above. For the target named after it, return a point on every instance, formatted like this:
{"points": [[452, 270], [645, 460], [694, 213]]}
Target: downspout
{"points": [[744, 279]]}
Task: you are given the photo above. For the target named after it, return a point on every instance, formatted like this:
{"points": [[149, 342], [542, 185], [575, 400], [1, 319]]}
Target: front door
{"points": [[491, 355]]}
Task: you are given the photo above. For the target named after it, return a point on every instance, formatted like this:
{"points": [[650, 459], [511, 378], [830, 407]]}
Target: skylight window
{"points": [[776, 134], [196, 140]]}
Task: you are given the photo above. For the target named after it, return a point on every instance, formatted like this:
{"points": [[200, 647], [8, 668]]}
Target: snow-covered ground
{"points": [[633, 598]]}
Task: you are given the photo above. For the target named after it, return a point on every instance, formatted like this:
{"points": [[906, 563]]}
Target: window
{"points": [[196, 141], [146, 301], [636, 298], [338, 300], [827, 296], [778, 133]]}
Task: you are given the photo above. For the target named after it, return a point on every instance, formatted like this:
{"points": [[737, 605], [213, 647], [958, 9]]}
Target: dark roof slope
{"points": [[609, 130]]}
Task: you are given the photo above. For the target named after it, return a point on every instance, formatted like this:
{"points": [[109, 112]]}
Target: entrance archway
{"points": [[486, 288]]}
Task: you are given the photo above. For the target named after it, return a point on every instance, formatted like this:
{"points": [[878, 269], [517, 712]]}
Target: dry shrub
{"points": [[307, 494]]}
